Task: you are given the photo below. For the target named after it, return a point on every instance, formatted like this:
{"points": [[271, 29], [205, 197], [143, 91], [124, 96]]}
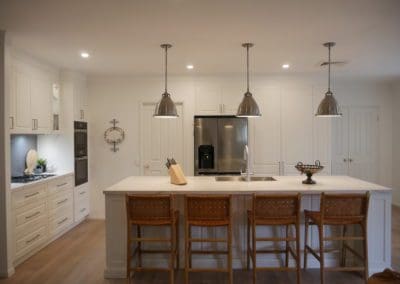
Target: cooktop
{"points": [[29, 178]]}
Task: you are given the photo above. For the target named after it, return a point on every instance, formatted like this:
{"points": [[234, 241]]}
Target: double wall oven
{"points": [[81, 152]]}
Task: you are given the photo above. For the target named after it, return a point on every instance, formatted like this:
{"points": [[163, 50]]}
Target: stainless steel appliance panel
{"points": [[218, 144], [205, 133], [232, 138]]}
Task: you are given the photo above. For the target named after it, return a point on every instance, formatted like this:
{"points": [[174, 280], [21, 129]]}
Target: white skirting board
{"points": [[379, 236]]}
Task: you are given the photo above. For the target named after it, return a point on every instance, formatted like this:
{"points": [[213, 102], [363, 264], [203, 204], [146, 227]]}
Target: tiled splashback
{"points": [[20, 145]]}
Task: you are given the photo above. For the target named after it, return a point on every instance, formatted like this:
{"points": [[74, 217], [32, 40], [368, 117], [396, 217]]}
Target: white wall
{"points": [[396, 143], [120, 97]]}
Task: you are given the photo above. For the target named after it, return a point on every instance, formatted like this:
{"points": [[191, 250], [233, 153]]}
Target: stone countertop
{"points": [[18, 186], [208, 185]]}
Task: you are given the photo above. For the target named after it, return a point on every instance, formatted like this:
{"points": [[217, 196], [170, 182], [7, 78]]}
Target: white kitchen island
{"points": [[379, 221]]}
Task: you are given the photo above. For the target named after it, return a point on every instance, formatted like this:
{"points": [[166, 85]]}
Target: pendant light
{"points": [[166, 107], [329, 106], [248, 107]]}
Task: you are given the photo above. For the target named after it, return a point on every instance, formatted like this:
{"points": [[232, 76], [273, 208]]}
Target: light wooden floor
{"points": [[78, 258]]}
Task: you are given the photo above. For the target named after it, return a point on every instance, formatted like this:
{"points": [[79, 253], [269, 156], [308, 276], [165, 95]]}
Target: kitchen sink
{"points": [[227, 178], [243, 178]]}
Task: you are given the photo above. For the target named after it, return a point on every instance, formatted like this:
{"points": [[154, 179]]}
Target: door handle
{"points": [[146, 166], [33, 124]]}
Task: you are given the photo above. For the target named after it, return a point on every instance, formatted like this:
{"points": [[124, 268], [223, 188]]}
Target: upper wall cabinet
{"points": [[80, 100], [30, 100], [214, 99]]}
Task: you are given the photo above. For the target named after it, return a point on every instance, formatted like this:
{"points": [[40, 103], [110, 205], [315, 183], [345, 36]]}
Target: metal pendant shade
{"points": [[329, 107], [248, 107], [166, 108]]}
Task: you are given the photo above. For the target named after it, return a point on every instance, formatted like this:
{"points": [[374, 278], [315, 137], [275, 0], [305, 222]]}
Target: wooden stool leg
{"points": [[172, 254], [305, 242], [248, 244], [321, 251], [365, 246], [128, 254], [287, 247], [186, 253], [139, 235], [254, 254], [298, 264], [230, 254], [177, 243], [344, 250]]}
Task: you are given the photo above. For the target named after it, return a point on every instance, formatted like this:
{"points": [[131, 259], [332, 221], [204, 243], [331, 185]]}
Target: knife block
{"points": [[176, 174]]}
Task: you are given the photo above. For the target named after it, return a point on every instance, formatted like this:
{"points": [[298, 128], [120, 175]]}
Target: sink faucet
{"points": [[247, 158]]}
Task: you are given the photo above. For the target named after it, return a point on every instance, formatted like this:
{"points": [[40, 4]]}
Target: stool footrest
{"points": [[197, 240], [208, 252], [275, 239], [150, 240]]}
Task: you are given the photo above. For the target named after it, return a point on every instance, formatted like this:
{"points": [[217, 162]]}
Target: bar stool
{"points": [[274, 210], [207, 211], [151, 210], [339, 210]]}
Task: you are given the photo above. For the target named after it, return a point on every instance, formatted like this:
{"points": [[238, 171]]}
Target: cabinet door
{"points": [[322, 127], [265, 132], [297, 128], [41, 92], [208, 100], [232, 95], [340, 144], [80, 101], [22, 101], [363, 143]]}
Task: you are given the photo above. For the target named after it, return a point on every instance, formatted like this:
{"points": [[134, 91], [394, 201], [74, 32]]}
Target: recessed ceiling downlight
{"points": [[189, 66], [85, 54], [285, 66]]}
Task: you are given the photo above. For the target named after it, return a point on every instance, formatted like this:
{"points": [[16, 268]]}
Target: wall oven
{"points": [[81, 152]]}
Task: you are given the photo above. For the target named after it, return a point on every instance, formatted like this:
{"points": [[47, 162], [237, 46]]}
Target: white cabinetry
{"points": [[288, 132], [80, 100], [81, 202], [213, 99], [40, 213], [355, 146], [30, 95], [265, 133]]}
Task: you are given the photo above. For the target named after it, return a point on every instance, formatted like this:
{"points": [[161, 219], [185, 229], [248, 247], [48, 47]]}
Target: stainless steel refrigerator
{"points": [[219, 142]]}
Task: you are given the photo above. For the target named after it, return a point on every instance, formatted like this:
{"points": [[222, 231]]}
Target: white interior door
{"points": [[363, 143], [160, 139]]}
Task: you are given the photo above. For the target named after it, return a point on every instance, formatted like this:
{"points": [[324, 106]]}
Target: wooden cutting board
{"points": [[31, 161]]}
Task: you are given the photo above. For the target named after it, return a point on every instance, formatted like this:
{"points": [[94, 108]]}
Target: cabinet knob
{"points": [[11, 122], [146, 166], [345, 160], [350, 160]]}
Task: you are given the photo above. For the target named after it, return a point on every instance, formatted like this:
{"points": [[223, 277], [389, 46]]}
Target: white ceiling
{"points": [[123, 36]]}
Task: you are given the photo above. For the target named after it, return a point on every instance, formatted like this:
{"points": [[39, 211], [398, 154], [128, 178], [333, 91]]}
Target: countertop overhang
{"points": [[208, 185]]}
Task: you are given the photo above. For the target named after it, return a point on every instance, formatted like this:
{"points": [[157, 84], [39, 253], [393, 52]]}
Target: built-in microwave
{"points": [[81, 152]]}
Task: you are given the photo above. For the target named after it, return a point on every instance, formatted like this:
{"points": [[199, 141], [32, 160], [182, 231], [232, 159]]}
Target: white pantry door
{"points": [[355, 148], [159, 139]]}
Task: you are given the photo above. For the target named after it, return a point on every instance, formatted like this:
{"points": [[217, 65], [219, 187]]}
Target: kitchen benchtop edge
{"points": [[19, 186]]}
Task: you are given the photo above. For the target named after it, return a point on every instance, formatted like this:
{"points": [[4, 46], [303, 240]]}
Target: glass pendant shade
{"points": [[165, 107], [248, 107], [328, 106]]}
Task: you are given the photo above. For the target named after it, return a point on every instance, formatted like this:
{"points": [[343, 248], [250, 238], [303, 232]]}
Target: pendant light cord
{"points": [[329, 68], [166, 67], [247, 48]]}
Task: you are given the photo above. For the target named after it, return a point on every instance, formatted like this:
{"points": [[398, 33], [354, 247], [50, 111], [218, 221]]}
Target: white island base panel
{"points": [[379, 220]]}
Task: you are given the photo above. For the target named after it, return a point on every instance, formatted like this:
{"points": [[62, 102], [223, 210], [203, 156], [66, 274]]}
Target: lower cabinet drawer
{"points": [[31, 241], [57, 225], [61, 200], [29, 227], [30, 214], [29, 195], [81, 209]]}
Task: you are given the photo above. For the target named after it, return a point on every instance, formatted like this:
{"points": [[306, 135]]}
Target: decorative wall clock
{"points": [[114, 135]]}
